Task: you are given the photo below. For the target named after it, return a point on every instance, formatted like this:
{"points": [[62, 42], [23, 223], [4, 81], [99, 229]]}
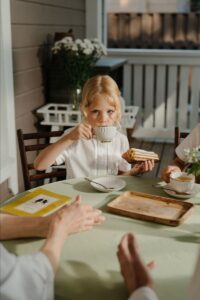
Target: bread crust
{"points": [[137, 155]]}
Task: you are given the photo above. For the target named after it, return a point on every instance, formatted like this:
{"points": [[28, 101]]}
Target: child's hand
{"points": [[81, 131], [142, 167]]}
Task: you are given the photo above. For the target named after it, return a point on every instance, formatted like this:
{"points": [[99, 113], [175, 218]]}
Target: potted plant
{"points": [[75, 60], [192, 158]]}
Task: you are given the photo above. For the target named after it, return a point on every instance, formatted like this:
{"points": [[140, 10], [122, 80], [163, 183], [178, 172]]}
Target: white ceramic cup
{"points": [[105, 134], [181, 181]]}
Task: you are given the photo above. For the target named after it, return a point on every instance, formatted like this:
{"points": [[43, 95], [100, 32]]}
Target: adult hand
{"points": [[133, 269], [142, 167], [81, 131], [165, 175], [74, 218], [69, 219]]}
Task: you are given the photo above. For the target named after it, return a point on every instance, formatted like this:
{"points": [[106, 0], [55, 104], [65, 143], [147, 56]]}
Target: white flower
{"points": [[192, 155], [78, 41], [56, 49], [66, 40], [57, 44], [74, 48], [86, 41], [87, 47], [87, 51]]}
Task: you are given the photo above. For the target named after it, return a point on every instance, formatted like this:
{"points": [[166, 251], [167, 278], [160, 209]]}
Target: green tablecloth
{"points": [[89, 268]]}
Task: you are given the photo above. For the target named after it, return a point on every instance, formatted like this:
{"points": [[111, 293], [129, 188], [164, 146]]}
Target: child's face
{"points": [[101, 113]]}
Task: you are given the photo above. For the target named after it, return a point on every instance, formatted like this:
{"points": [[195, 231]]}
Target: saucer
{"points": [[194, 191], [117, 183]]}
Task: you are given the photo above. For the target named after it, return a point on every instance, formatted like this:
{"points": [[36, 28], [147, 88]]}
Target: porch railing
{"points": [[165, 84]]}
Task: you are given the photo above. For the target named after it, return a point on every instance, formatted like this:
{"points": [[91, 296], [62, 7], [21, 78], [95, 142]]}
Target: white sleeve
{"points": [[29, 277], [61, 158], [191, 141], [143, 293], [195, 283]]}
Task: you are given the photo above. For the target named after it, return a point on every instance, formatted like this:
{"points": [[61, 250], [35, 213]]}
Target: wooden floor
{"points": [[164, 150]]}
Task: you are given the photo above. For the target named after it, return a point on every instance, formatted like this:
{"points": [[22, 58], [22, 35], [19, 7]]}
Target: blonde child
{"points": [[78, 148]]}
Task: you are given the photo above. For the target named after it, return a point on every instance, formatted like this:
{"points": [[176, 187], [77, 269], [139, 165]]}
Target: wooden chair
{"points": [[178, 135], [29, 142]]}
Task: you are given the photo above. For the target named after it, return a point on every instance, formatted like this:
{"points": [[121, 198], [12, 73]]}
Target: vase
{"points": [[75, 98]]}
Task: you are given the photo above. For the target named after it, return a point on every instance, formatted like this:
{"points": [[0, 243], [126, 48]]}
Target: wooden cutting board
{"points": [[151, 208]]}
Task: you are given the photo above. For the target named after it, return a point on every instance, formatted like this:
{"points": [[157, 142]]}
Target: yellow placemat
{"points": [[37, 203]]}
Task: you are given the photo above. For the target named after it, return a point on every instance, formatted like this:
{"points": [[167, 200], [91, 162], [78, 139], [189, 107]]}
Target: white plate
{"points": [[110, 181], [195, 190]]}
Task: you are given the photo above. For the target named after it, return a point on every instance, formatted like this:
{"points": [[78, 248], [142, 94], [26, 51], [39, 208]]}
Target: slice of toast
{"points": [[137, 155]]}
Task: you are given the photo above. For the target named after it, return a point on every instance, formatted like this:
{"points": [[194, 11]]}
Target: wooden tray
{"points": [[151, 208]]}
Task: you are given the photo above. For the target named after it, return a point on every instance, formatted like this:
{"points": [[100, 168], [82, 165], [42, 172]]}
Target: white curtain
{"points": [[8, 159]]}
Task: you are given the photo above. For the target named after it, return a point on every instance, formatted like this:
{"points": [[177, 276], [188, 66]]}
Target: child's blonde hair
{"points": [[102, 85]]}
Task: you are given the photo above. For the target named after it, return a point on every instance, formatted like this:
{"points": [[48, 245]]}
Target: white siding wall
{"points": [[32, 21]]}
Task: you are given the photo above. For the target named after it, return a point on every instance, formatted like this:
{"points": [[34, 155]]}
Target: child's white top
{"points": [[191, 141], [93, 158]]}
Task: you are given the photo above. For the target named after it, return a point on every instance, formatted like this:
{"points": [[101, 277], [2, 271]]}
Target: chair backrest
{"points": [[29, 142], [178, 136]]}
